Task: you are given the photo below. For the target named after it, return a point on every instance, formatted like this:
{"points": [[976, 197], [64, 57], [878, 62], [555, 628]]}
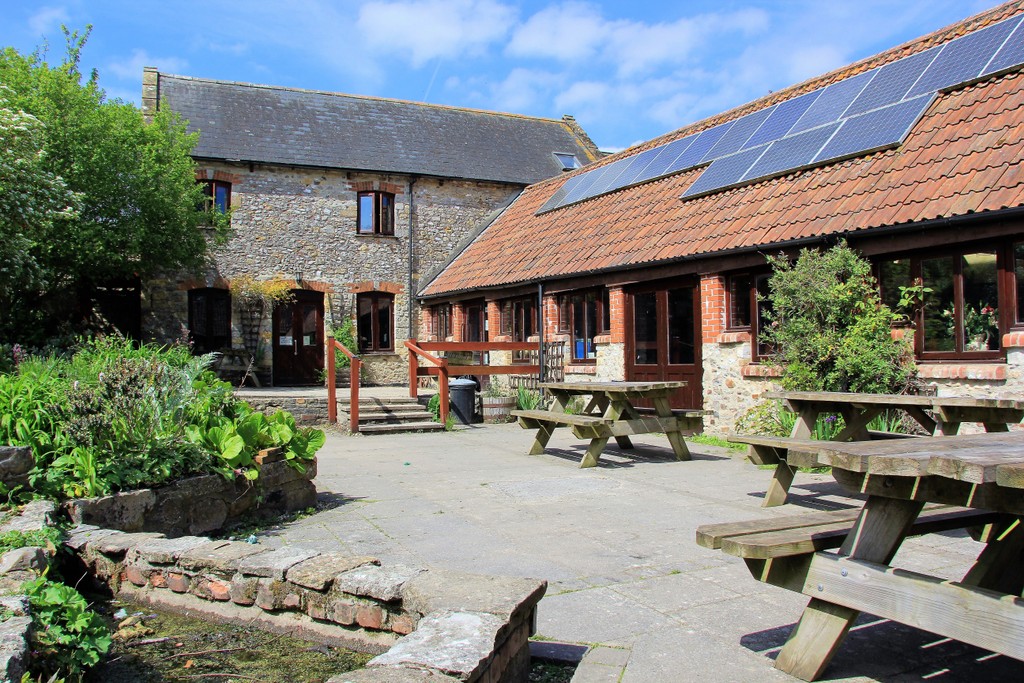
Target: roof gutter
{"points": [[947, 222]]}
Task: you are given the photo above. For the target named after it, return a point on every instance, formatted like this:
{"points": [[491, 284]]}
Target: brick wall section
{"points": [[551, 330], [333, 597], [495, 328], [712, 306], [458, 321], [617, 304]]}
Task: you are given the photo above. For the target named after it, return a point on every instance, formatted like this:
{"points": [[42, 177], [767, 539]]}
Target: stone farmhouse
{"points": [[647, 264], [349, 199]]}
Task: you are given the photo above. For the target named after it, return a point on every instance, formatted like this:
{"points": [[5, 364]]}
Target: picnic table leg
{"points": [[875, 537], [996, 427], [544, 432], [806, 417], [613, 410], [998, 566], [856, 424], [663, 409], [778, 487], [594, 451]]}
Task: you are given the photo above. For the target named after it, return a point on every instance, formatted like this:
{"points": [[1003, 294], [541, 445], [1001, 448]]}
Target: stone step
{"points": [[344, 401], [386, 428], [398, 409], [393, 417]]}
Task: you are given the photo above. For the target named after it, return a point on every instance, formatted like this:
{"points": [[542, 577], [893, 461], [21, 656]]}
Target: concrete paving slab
{"points": [[616, 542]]}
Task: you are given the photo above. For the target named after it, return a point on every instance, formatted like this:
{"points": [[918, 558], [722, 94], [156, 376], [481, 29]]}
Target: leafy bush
{"points": [[67, 637], [346, 334], [829, 328], [47, 537], [527, 399], [115, 417]]}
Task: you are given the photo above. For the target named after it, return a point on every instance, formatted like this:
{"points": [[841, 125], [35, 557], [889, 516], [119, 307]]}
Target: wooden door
{"points": [[298, 337], [663, 339]]}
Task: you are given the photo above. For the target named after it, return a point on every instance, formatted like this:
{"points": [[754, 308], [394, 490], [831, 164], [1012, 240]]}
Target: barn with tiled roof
{"points": [[647, 264]]}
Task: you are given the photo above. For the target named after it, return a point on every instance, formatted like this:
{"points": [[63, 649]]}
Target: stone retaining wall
{"points": [[307, 410], [16, 567], [200, 504], [425, 624]]}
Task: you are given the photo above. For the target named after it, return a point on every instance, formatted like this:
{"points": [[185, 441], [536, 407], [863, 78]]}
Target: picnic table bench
{"points": [[975, 481], [858, 410], [610, 413]]}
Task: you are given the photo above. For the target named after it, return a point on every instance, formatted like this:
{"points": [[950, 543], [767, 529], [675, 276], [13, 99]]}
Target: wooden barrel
{"points": [[498, 408]]}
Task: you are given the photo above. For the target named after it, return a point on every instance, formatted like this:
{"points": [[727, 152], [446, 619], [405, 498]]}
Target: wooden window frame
{"points": [[382, 213], [210, 190], [442, 321], [209, 294], [374, 345], [756, 308], [1006, 296], [575, 301]]}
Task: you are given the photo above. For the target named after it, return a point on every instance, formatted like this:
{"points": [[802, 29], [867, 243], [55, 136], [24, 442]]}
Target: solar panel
{"points": [[556, 199], [792, 152], [637, 164], [1011, 53], [580, 191], [832, 101], [875, 130], [892, 82], [962, 59], [723, 172], [736, 137], [669, 153], [607, 180], [782, 119], [700, 147]]}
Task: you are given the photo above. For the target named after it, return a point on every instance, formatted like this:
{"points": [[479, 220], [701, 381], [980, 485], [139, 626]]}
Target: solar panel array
{"points": [[867, 112]]}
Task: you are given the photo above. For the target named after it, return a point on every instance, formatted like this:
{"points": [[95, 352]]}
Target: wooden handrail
{"points": [[443, 371], [442, 376], [332, 393]]}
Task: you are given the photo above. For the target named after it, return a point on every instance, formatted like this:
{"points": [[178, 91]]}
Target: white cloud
{"points": [[523, 90], [427, 29], [47, 19], [570, 32], [131, 67]]}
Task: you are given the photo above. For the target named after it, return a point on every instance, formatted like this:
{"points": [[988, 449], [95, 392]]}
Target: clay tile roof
{"points": [[246, 122], [963, 156]]}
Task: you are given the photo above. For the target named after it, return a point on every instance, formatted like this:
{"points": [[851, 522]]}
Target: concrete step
{"points": [[344, 402], [390, 408], [386, 428]]}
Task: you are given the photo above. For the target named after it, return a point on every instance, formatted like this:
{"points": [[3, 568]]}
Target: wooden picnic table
{"points": [[983, 472], [936, 415], [610, 412]]}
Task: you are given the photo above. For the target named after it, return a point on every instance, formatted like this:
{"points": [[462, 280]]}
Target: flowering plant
{"points": [[979, 323]]}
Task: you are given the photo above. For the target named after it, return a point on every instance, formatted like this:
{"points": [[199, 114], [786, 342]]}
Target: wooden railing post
{"points": [[414, 366], [442, 390], [332, 391], [353, 401]]}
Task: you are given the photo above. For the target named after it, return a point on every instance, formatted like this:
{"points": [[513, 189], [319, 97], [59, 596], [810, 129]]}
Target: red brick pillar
{"points": [[458, 321], [494, 329], [550, 317], [712, 306], [617, 314]]}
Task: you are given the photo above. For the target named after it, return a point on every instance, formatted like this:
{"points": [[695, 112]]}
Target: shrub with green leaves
{"points": [[67, 637], [830, 330], [117, 417]]}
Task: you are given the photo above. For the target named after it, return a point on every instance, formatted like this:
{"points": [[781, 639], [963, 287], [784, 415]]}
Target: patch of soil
{"points": [[169, 647]]}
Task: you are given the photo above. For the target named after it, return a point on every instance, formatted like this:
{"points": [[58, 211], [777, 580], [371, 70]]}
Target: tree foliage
{"points": [[31, 200], [135, 179], [829, 327]]}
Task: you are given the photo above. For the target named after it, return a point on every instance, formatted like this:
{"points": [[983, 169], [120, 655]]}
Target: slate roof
{"points": [[242, 121], [964, 156]]}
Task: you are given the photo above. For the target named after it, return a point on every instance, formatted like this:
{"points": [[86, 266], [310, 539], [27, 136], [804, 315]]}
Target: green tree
{"points": [[136, 180], [31, 200], [829, 327]]}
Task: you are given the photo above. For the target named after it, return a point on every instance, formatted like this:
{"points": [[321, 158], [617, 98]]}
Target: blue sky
{"points": [[628, 71]]}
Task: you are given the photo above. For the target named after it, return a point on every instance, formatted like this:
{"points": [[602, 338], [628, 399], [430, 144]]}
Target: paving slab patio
{"points": [[616, 543]]}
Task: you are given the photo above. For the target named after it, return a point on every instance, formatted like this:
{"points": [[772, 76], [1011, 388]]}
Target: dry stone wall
{"points": [[453, 625]]}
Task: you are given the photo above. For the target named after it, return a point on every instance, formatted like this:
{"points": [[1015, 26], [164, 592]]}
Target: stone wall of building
{"points": [[300, 225]]}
